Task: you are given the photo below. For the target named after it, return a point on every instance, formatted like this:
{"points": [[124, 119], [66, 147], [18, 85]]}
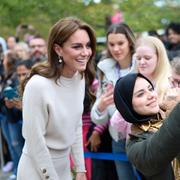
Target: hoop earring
{"points": [[60, 59]]}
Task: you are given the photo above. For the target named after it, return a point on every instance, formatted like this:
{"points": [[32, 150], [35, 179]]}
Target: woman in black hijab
{"points": [[153, 142]]}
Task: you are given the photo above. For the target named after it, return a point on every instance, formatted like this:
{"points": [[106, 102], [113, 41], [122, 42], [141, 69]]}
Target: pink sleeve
{"points": [[122, 126], [95, 85], [101, 128]]}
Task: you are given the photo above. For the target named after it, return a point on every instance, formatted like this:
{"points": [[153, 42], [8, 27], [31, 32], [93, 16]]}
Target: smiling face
{"points": [[144, 99], [75, 52], [119, 48], [146, 60]]}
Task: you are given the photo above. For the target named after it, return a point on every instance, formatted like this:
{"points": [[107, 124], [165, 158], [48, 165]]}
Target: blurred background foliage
{"points": [[141, 15]]}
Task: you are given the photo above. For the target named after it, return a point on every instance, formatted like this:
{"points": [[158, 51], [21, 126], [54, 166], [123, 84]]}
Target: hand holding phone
{"points": [[10, 93], [107, 86]]}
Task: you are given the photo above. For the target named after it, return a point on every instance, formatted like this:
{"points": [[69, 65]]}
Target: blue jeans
{"points": [[125, 170], [12, 133], [6, 134], [17, 141]]}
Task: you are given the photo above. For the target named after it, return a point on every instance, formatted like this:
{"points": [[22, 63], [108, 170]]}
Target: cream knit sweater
{"points": [[52, 123]]}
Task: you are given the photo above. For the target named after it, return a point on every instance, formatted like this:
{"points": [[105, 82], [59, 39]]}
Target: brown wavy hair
{"points": [[122, 28], [59, 34]]}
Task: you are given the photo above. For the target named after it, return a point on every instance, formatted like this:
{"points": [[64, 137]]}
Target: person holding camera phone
{"points": [[153, 141], [53, 104], [12, 123], [118, 63]]}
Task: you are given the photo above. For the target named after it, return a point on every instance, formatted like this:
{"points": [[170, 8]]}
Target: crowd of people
{"points": [[58, 101], [17, 58]]}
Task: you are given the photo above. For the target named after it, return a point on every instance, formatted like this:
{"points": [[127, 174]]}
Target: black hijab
{"points": [[123, 94]]}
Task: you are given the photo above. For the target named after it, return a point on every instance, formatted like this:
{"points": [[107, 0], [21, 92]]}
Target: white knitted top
{"points": [[52, 120]]}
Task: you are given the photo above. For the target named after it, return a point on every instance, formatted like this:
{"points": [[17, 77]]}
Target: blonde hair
{"points": [[25, 49], [163, 68]]}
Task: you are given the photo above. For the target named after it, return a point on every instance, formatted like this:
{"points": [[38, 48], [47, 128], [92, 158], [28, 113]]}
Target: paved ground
{"points": [[4, 176]]}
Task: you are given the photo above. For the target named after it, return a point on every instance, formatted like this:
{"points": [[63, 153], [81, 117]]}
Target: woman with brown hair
{"points": [[53, 104], [118, 63]]}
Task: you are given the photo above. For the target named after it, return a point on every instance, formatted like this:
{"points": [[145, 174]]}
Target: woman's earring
{"points": [[60, 59]]}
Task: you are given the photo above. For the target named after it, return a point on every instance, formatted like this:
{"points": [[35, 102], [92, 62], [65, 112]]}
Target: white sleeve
{"points": [[35, 118], [77, 150], [99, 117]]}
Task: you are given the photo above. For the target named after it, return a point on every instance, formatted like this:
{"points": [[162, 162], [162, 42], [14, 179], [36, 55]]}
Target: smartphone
{"points": [[10, 93], [107, 84]]}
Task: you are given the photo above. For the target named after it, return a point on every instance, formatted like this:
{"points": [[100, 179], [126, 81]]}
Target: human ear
{"points": [[57, 49]]}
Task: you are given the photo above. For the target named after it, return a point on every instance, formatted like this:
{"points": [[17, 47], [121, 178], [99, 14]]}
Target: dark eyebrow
{"points": [[142, 90], [139, 91], [76, 43]]}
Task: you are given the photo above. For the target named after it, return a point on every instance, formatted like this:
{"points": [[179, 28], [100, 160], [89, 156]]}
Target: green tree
{"points": [[141, 15]]}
